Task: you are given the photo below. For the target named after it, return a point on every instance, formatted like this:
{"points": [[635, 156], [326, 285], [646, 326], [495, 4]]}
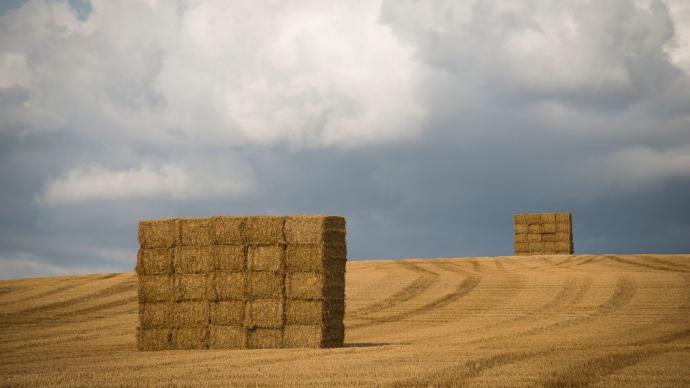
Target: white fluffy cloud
{"points": [[212, 72], [94, 182]]}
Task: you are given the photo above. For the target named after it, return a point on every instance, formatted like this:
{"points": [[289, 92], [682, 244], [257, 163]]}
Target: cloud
{"points": [[326, 73], [93, 182]]}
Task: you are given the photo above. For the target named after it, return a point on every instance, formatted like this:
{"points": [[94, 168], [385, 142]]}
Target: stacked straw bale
{"points": [[543, 234], [241, 282]]}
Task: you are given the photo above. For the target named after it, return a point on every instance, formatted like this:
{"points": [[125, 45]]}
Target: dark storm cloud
{"points": [[426, 126]]}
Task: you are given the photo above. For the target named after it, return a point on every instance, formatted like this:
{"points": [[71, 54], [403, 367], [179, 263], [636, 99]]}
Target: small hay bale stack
{"points": [[543, 234], [241, 282]]}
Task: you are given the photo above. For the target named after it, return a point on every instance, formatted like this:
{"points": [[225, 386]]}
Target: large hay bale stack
{"points": [[241, 282], [543, 234]]}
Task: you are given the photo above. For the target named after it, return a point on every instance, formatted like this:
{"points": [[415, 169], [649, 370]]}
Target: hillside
{"points": [[606, 320]]}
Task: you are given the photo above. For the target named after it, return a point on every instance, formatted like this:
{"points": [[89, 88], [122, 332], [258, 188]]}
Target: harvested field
{"points": [[583, 320]]}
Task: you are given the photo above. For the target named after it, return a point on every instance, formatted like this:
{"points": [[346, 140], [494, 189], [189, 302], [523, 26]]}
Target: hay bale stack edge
{"points": [[233, 282]]}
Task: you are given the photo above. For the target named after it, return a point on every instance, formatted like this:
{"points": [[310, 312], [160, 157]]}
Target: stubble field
{"points": [[604, 320]]}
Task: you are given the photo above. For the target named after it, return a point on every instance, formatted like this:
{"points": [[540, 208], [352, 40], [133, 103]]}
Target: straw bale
{"points": [[229, 258], [156, 233], [227, 313], [548, 218], [521, 228], [190, 314], [564, 237], [549, 237], [535, 247], [521, 247], [522, 253], [313, 285], [534, 229], [313, 257], [267, 258], [190, 287], [228, 230], [265, 338], [266, 313], [520, 219], [563, 227], [312, 229], [550, 247], [154, 339], [154, 261], [264, 230], [313, 336], [533, 218], [190, 337], [227, 337], [231, 285], [314, 312], [194, 232], [155, 315], [193, 260], [564, 246], [155, 288], [534, 237], [548, 228], [520, 237], [563, 217], [265, 284]]}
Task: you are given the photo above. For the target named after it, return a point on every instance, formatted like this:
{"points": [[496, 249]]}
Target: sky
{"points": [[426, 124]]}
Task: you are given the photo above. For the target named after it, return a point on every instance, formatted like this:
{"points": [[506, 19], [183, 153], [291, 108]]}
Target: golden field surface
{"points": [[583, 320]]}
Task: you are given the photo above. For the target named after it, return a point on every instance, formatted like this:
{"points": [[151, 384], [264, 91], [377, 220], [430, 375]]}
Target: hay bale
{"points": [[534, 229], [155, 261], [193, 232], [229, 258], [534, 237], [228, 230], [264, 313], [522, 253], [520, 219], [264, 230], [155, 315], [564, 246], [521, 247], [154, 339], [550, 247], [227, 337], [548, 218], [521, 228], [312, 312], [227, 313], [265, 285], [521, 237], [313, 229], [548, 228], [231, 285], [190, 337], [314, 285], [264, 338], [563, 237], [563, 217], [190, 313], [563, 227], [536, 247], [191, 287], [533, 218], [193, 259], [156, 233], [155, 288], [313, 336], [270, 258], [313, 257], [549, 237]]}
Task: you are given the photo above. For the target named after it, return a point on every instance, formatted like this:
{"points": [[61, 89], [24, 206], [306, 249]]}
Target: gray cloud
{"points": [[427, 126]]}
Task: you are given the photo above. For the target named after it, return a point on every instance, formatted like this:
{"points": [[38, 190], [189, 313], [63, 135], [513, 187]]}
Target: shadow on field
{"points": [[364, 344]]}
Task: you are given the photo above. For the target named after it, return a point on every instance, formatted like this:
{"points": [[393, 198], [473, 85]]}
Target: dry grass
{"points": [[609, 320]]}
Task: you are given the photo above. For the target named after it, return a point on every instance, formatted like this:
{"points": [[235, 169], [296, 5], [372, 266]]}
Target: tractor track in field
{"points": [[645, 265], [425, 280]]}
